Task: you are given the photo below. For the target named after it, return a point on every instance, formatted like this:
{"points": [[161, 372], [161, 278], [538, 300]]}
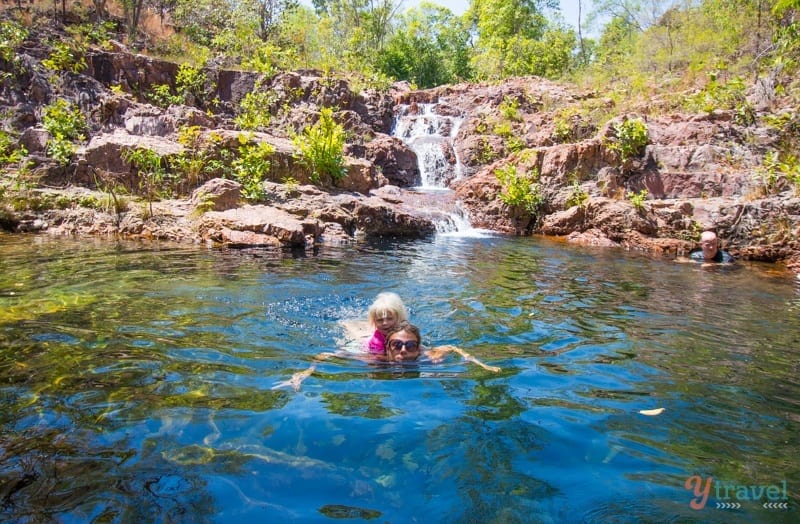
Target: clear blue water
{"points": [[136, 385]]}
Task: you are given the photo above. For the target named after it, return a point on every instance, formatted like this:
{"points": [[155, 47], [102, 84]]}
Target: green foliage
{"points": [[631, 137], [10, 152], [519, 190], [505, 130], [577, 197], [190, 82], [429, 48], [198, 161], [67, 56], [377, 81], [290, 183], [99, 34], [65, 123], [562, 129], [515, 38], [254, 109], [321, 147], [571, 124], [638, 199], [777, 171], [252, 166], [269, 58], [12, 35], [727, 95], [509, 109], [112, 200], [162, 96], [154, 180], [485, 153]]}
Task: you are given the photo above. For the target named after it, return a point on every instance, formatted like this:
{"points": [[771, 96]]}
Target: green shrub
{"points": [[65, 123], [10, 153], [577, 197], [519, 190], [254, 110], [777, 171], [729, 95], [154, 180], [509, 108], [564, 125], [638, 199], [190, 85], [67, 56], [190, 82], [194, 163], [99, 33], [252, 166], [631, 137], [562, 131], [162, 96], [484, 153], [321, 147], [12, 35], [503, 129]]}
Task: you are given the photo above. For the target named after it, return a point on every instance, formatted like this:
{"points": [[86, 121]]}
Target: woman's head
{"points": [[404, 342], [387, 312]]}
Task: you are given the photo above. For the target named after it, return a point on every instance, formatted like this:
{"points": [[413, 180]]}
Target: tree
{"points": [[507, 30], [133, 12], [363, 24], [270, 14], [429, 48]]}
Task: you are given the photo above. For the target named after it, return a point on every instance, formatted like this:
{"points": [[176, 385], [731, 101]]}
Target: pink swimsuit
{"points": [[376, 343]]}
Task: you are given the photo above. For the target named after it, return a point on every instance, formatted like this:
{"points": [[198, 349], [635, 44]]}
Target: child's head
{"points": [[403, 342], [387, 311]]}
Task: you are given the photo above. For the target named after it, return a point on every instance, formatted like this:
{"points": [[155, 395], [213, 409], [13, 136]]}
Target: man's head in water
{"points": [[710, 244]]}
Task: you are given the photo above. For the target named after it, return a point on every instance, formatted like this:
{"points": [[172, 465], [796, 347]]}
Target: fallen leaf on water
{"points": [[652, 412]]}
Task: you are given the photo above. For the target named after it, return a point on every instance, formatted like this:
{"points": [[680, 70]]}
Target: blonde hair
{"points": [[387, 303]]}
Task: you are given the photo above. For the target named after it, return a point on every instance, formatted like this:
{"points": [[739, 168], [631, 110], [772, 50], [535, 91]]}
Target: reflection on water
{"points": [[136, 385]]}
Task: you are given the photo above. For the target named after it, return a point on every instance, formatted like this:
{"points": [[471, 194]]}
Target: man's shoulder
{"points": [[722, 256]]}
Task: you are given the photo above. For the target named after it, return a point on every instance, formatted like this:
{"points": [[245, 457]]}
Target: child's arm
{"points": [[356, 329], [437, 353]]}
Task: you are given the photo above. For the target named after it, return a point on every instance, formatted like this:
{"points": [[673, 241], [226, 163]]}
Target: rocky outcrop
{"points": [[696, 171]]}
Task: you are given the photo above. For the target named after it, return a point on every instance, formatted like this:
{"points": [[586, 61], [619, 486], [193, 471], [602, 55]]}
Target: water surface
{"points": [[136, 385]]}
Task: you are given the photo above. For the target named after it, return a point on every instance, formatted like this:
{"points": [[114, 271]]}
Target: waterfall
{"points": [[431, 136]]}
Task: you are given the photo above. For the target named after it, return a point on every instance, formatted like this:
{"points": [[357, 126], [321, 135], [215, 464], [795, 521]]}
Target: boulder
{"points": [[257, 225], [217, 194], [397, 161]]}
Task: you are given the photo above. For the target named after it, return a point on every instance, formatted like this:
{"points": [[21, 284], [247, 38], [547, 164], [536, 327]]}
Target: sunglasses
{"points": [[398, 345]]}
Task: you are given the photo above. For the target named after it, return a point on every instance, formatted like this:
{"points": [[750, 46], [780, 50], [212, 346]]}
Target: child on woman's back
{"points": [[384, 315]]}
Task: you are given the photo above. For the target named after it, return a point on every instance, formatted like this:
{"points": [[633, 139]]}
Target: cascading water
{"points": [[431, 136]]}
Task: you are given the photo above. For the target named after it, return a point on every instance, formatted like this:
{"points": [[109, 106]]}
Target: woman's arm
{"points": [[297, 379], [436, 354]]}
